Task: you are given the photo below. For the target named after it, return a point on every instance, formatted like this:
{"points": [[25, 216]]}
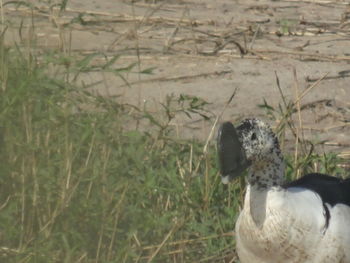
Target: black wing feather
{"points": [[332, 190]]}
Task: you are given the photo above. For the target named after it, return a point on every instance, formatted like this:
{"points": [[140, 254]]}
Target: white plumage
{"points": [[307, 220]]}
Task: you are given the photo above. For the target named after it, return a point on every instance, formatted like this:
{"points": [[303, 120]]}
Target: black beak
{"points": [[232, 158]]}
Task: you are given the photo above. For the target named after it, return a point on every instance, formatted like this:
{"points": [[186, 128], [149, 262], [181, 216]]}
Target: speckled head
{"points": [[251, 145], [258, 140]]}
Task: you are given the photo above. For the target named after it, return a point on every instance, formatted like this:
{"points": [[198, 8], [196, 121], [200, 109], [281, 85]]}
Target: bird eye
{"points": [[253, 136]]}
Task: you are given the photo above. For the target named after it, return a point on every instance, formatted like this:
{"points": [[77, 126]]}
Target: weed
{"points": [[78, 185]]}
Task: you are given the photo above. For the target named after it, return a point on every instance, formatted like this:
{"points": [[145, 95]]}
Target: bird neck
{"points": [[267, 172], [264, 174]]}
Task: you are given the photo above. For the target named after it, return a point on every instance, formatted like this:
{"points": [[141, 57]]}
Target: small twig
{"points": [[254, 37], [301, 48], [280, 90], [338, 144], [5, 203], [162, 244], [299, 129], [185, 77], [311, 87], [320, 2], [336, 127], [169, 41], [242, 50], [291, 108], [188, 241], [288, 107], [117, 17], [339, 76], [218, 117], [313, 104], [319, 57]]}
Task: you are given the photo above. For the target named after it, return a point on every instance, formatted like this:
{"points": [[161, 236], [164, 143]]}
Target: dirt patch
{"points": [[207, 49]]}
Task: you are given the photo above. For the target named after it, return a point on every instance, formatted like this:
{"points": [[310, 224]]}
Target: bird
{"points": [[305, 220]]}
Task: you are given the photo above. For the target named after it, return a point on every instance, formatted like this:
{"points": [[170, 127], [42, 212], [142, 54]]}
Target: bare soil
{"points": [[208, 49]]}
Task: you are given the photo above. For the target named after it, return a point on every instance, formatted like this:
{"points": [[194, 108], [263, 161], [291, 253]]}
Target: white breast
{"points": [[290, 226], [335, 245]]}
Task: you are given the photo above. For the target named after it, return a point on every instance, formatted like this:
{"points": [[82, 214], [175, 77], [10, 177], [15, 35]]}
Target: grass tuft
{"points": [[78, 185]]}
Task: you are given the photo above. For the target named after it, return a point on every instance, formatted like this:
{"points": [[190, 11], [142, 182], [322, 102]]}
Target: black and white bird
{"points": [[307, 220]]}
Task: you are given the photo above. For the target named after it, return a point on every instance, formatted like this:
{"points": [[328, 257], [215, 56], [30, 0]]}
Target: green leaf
{"points": [[266, 106], [148, 70], [110, 62], [63, 5], [83, 64]]}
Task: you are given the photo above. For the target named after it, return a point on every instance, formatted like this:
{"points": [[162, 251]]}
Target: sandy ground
{"points": [[208, 49]]}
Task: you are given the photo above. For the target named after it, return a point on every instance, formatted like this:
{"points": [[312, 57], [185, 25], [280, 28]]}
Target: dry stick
{"points": [[301, 48], [344, 154], [289, 110], [2, 37], [5, 203], [169, 41], [162, 244], [2, 14], [311, 79], [303, 94], [192, 32], [300, 123], [320, 2], [220, 255], [187, 241], [120, 17], [241, 49], [336, 126], [152, 12], [148, 5], [338, 144], [254, 37], [191, 158], [315, 103], [296, 86], [320, 57], [280, 90], [205, 149], [116, 221], [285, 104], [168, 253], [99, 243], [185, 77], [217, 33], [311, 87]]}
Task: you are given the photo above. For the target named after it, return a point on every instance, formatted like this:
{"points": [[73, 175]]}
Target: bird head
{"points": [[252, 144]]}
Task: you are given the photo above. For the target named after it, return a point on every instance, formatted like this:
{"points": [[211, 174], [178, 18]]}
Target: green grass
{"points": [[79, 184]]}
